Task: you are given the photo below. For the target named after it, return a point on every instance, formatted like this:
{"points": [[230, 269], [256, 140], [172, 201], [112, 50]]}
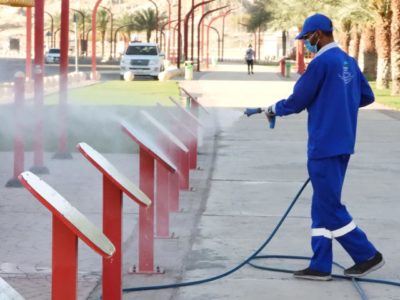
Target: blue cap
{"points": [[314, 23]]}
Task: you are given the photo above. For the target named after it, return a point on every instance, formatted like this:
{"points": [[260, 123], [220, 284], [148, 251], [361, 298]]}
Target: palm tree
{"points": [[289, 13], [356, 41], [370, 56], [383, 15], [395, 47], [372, 14], [145, 20], [126, 20], [102, 19], [345, 26]]}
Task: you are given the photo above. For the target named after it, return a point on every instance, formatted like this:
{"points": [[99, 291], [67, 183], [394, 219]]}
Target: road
{"points": [[9, 66]]}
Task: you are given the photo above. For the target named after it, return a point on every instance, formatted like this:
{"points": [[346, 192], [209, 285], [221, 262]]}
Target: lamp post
{"points": [[223, 34], [223, 15], [208, 44], [94, 12], [115, 37], [179, 44], [198, 32], [82, 34], [169, 34], [28, 64], [155, 4], [169, 29], [111, 28], [51, 44], [186, 25]]}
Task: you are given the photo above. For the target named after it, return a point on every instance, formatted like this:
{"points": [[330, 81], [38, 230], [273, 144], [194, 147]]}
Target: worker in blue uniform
{"points": [[332, 89]]}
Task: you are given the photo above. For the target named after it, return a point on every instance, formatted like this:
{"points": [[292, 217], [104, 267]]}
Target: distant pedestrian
{"points": [[250, 59]]}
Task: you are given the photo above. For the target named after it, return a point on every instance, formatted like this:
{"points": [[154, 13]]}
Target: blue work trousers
{"points": [[330, 218]]}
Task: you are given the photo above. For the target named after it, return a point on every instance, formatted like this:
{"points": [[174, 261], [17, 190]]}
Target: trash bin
{"points": [[288, 67], [188, 70]]}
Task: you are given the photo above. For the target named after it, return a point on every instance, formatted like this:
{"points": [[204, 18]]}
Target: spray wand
{"points": [[251, 111]]}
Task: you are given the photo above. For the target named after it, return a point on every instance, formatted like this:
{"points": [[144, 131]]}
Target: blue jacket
{"points": [[332, 89]]}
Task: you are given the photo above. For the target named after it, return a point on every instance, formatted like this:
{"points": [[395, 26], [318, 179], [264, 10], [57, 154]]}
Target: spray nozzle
{"points": [[251, 111]]}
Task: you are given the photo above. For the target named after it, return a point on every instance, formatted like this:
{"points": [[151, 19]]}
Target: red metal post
{"points": [[164, 166], [64, 262], [62, 151], [192, 123], [184, 134], [162, 201], [300, 57], [146, 215], [38, 165], [28, 63], [194, 104], [94, 14], [112, 228], [19, 98], [68, 225]]}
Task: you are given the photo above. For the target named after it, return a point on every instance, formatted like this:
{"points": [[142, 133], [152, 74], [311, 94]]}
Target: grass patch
{"points": [[93, 115], [118, 92], [384, 97]]}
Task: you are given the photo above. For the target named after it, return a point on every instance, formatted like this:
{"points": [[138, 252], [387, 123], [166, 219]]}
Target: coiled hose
{"points": [[255, 256]]}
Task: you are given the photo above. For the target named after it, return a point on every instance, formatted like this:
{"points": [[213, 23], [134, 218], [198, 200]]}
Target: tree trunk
{"points": [[346, 41], [383, 50], [356, 40], [395, 47], [370, 57], [148, 35], [259, 44], [284, 43], [103, 38]]}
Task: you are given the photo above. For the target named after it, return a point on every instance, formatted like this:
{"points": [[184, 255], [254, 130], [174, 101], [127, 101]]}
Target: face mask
{"points": [[309, 47]]}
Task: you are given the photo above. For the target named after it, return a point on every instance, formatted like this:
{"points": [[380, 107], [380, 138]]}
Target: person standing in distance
{"points": [[332, 90], [250, 59]]}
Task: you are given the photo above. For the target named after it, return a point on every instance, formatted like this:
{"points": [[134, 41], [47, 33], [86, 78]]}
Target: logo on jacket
{"points": [[346, 76]]}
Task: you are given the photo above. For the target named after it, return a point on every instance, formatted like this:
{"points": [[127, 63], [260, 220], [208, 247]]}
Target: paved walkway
{"points": [[248, 175]]}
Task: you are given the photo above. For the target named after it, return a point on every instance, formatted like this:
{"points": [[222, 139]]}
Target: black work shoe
{"points": [[363, 268], [312, 275]]}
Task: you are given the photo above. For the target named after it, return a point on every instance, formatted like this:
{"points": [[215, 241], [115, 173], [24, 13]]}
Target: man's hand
{"points": [[270, 114]]}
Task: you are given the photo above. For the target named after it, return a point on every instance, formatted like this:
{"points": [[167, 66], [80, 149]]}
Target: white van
{"points": [[142, 59]]}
